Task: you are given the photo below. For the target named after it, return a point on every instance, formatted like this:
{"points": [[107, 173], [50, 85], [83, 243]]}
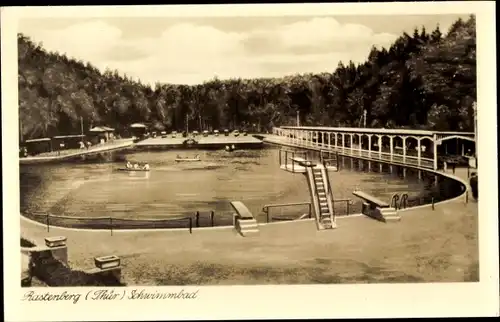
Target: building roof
{"points": [[375, 130], [37, 140], [69, 136]]}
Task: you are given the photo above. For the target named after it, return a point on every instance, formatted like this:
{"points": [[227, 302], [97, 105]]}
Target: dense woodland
{"points": [[424, 80]]}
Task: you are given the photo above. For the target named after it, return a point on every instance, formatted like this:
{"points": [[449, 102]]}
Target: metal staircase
{"points": [[321, 196]]}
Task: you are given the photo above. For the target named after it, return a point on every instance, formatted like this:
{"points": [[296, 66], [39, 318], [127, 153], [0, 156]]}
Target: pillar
{"points": [[360, 138], [419, 152], [379, 138], [350, 141], [343, 142], [329, 140], [369, 145], [391, 146], [434, 146], [336, 138], [404, 149]]}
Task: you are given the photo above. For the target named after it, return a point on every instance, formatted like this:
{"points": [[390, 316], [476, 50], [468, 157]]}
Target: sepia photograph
{"points": [[188, 151]]}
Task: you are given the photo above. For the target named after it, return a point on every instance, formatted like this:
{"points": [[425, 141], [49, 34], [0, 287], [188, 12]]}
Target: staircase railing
{"points": [[314, 195], [329, 192], [266, 209], [399, 202], [394, 201]]}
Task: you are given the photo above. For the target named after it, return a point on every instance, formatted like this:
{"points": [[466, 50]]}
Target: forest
{"points": [[426, 80]]}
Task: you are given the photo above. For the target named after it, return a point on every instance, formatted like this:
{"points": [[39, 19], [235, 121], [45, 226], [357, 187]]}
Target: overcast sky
{"points": [[193, 50]]}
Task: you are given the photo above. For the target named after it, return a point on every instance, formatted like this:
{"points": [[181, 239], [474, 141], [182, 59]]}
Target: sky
{"points": [[193, 50]]}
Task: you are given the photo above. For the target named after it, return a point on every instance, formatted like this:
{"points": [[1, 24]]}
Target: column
{"points": [[350, 141], [391, 145], [330, 140], [404, 149], [343, 142], [369, 145], [360, 137], [336, 145], [434, 146], [379, 146], [418, 152]]}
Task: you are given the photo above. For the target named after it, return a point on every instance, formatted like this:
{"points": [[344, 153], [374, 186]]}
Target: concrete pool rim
{"points": [[457, 179]]}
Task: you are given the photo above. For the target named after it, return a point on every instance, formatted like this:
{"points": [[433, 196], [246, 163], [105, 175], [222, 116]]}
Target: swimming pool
{"points": [[179, 189]]}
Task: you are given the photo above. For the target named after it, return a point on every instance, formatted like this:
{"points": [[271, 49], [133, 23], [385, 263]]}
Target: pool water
{"points": [[175, 189]]}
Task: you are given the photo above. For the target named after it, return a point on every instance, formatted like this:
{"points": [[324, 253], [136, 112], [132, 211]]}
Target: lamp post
{"points": [[474, 108]]}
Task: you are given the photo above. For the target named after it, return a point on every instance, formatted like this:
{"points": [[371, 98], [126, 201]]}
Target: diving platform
{"points": [[289, 161]]}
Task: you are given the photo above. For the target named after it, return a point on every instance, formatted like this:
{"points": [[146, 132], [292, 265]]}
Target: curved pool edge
{"points": [[198, 229], [442, 202]]}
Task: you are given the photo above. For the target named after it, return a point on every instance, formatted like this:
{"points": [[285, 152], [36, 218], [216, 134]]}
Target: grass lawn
{"points": [[426, 246]]}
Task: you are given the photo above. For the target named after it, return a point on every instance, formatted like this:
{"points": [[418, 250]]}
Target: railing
{"points": [[196, 220], [266, 209], [293, 153], [348, 203], [356, 152], [399, 202]]}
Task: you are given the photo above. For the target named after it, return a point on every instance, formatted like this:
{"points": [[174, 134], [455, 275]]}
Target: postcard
{"points": [[249, 161]]}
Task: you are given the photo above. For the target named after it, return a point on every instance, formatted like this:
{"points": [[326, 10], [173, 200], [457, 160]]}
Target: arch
{"points": [[385, 135], [411, 144], [386, 143], [427, 144], [460, 137], [363, 140]]}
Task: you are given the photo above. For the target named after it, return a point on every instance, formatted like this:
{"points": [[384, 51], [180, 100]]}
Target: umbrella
{"points": [[97, 129], [138, 125]]}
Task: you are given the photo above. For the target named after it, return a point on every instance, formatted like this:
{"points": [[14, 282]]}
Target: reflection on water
{"points": [[178, 188]]}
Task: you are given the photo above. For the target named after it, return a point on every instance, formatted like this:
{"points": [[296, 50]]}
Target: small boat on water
{"points": [[180, 159], [137, 167], [133, 170]]}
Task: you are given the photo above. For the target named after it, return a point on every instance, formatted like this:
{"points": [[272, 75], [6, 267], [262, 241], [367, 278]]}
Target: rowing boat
{"points": [[187, 159], [132, 169]]}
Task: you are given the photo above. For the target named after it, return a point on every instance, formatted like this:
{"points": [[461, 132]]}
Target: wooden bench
{"points": [[376, 208], [243, 220]]}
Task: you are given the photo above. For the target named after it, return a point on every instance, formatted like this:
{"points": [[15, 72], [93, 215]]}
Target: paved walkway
{"points": [[439, 245], [115, 145]]}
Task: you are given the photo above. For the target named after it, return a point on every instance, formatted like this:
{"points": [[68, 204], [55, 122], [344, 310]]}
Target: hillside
{"points": [[423, 80]]}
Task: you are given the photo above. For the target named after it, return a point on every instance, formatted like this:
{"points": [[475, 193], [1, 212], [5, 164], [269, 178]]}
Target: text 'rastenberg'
{"points": [[108, 295]]}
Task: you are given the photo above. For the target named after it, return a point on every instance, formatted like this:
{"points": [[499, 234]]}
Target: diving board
{"points": [[376, 208], [243, 220]]}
